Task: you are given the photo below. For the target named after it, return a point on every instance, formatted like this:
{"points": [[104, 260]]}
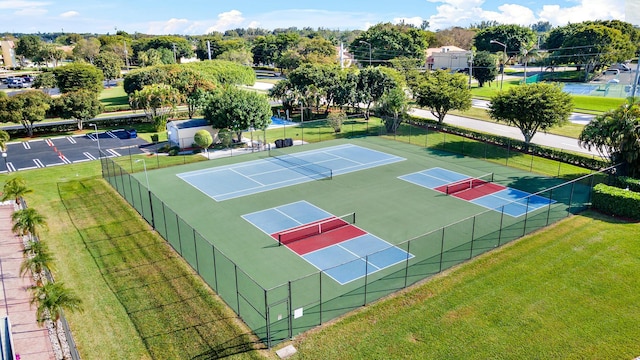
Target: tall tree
{"points": [[237, 110], [110, 64], [86, 49], [4, 138], [616, 135], [26, 108], [387, 41], [513, 36], [442, 92], [50, 300], [79, 76], [372, 84], [46, 81], [532, 107], [484, 67], [392, 105], [28, 47], [81, 105], [157, 101]]}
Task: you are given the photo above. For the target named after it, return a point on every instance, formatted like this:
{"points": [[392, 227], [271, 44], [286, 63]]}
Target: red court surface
{"points": [[474, 192], [325, 239]]}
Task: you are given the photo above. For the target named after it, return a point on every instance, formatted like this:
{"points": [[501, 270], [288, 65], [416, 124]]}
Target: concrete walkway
{"points": [[31, 342]]}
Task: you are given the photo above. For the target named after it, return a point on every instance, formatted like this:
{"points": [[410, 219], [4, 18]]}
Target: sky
{"points": [[197, 17]]}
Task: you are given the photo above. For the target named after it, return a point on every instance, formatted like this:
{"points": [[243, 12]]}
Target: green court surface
{"points": [[279, 294]]}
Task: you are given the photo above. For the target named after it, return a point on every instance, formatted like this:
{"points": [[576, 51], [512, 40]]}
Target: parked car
{"points": [[621, 67], [17, 83], [611, 71], [28, 78]]}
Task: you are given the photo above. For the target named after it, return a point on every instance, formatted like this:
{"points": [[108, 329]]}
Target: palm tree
{"points": [[51, 299], [38, 259], [28, 221], [528, 53], [15, 189]]}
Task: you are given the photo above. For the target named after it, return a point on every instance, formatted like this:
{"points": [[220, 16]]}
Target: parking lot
{"points": [[63, 150]]}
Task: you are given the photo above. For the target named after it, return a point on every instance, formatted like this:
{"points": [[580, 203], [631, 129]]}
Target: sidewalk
{"points": [[30, 340]]}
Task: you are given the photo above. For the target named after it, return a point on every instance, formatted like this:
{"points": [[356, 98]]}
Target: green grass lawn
{"points": [[565, 292], [114, 97], [141, 300]]}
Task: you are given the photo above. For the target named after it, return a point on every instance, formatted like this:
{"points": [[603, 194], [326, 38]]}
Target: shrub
{"points": [[617, 202], [626, 182]]}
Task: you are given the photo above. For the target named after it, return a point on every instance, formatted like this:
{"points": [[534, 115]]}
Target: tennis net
{"points": [[468, 183], [301, 166], [316, 228]]}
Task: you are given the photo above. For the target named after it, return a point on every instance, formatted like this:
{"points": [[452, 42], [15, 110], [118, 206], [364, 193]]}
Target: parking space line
{"points": [[26, 145], [89, 156], [49, 142], [112, 134], [64, 159], [113, 152], [10, 167], [38, 163], [72, 140], [92, 136]]}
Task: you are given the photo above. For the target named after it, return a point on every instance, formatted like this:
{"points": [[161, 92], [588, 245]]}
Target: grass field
{"points": [[140, 298], [567, 292]]}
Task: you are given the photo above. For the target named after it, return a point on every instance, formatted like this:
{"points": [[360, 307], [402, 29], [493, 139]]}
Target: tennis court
{"points": [[232, 181], [269, 235], [479, 190], [329, 243]]}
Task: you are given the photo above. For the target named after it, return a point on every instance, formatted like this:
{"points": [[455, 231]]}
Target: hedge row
{"points": [[626, 182], [617, 202], [513, 144]]}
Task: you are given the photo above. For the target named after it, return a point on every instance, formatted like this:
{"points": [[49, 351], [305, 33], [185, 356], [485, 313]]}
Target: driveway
{"points": [[63, 150]]}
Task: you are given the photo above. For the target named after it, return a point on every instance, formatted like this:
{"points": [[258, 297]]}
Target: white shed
{"points": [[181, 132]]}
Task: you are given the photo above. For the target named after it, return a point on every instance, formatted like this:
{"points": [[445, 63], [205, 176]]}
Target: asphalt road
{"points": [[63, 150], [540, 138]]}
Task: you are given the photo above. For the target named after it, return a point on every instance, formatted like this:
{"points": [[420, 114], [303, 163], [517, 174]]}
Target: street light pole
{"points": [[504, 60], [97, 139], [364, 42]]}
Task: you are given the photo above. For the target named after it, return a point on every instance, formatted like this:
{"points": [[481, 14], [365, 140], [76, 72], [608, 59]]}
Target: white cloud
{"points": [[632, 11], [511, 14], [585, 10], [227, 20], [69, 14], [171, 26], [463, 13]]}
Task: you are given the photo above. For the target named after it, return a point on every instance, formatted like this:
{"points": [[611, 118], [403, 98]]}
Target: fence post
{"points": [[406, 267], [235, 271], [500, 230], [549, 208], [266, 319], [441, 249], [195, 249], [320, 288], [526, 216], [473, 231], [366, 272]]}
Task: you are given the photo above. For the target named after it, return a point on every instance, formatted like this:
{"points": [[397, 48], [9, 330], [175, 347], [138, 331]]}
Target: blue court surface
{"points": [[579, 89], [345, 261], [251, 177], [511, 201]]}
